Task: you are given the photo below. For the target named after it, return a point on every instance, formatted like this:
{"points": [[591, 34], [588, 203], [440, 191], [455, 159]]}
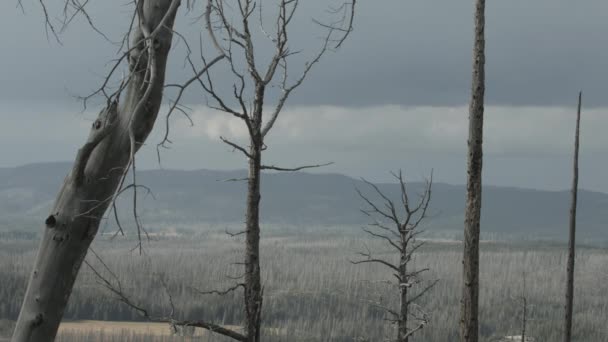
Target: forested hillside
{"points": [[300, 199]]}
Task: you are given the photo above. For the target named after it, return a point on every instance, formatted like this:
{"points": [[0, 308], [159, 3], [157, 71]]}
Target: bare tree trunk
{"points": [[403, 334], [469, 328], [98, 169], [523, 320], [253, 286], [572, 238], [524, 301]]}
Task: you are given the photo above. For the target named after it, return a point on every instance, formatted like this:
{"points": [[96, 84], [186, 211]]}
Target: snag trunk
{"points": [[469, 324], [572, 232], [89, 187]]}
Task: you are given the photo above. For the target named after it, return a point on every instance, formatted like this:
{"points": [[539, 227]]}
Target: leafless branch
{"points": [[115, 287], [276, 168], [176, 102], [372, 260], [219, 292], [48, 25], [243, 179], [423, 292], [78, 7], [375, 209], [236, 147]]}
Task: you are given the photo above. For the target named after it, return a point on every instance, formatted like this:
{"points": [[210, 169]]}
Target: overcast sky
{"points": [[395, 96]]}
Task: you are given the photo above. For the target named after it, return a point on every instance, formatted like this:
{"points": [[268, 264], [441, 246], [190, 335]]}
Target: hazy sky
{"points": [[395, 96]]}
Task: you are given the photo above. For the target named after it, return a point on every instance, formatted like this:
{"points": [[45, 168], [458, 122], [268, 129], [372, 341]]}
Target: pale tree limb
{"points": [[293, 169]]}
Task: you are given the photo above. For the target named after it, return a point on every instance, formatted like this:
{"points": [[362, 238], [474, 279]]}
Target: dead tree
{"points": [[230, 26], [99, 171], [523, 299], [572, 231], [469, 324], [523, 314], [397, 226]]}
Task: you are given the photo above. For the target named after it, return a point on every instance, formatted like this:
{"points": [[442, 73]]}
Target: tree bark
{"points": [[403, 332], [469, 325], [572, 233], [253, 286], [89, 187], [523, 320]]}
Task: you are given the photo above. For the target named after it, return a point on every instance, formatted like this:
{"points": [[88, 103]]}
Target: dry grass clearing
{"points": [[117, 327], [125, 331]]}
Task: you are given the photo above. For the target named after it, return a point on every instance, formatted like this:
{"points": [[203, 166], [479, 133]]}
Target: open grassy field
{"points": [[117, 327], [108, 331]]}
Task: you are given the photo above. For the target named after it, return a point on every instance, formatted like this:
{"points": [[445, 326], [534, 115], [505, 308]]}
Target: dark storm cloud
{"points": [[402, 52]]}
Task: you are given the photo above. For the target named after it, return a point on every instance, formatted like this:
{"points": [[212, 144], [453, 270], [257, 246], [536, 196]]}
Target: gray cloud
{"points": [[402, 53], [524, 146], [510, 131], [393, 97]]}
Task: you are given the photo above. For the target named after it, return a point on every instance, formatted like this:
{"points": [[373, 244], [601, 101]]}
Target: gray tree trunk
{"points": [[403, 332], [523, 320], [470, 290], [253, 288], [94, 178], [253, 285], [572, 237]]}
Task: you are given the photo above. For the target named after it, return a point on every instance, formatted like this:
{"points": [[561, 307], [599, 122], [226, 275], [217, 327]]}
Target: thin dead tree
{"points": [[572, 231], [469, 306], [522, 300], [524, 310], [397, 226], [231, 26], [100, 169]]}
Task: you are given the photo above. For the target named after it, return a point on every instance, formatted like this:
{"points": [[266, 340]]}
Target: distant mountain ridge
{"points": [[301, 199]]}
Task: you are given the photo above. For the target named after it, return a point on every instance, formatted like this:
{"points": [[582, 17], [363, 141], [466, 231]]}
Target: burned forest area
{"points": [[303, 171]]}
